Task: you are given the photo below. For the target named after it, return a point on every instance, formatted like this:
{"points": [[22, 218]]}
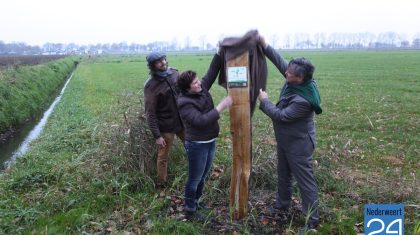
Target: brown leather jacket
{"points": [[160, 106]]}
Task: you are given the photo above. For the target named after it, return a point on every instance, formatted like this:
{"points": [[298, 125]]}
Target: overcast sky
{"points": [[36, 22]]}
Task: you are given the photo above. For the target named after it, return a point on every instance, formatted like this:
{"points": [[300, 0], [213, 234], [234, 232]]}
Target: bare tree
{"points": [[405, 43], [367, 38], [274, 38], [302, 40], [416, 41], [202, 39], [174, 44], [387, 39], [187, 42], [317, 38], [287, 41], [209, 46]]}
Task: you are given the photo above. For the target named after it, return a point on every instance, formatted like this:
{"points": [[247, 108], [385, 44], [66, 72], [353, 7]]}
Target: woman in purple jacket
{"points": [[200, 119]]}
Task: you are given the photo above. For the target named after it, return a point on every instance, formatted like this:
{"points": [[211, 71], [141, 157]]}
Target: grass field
{"points": [[7, 61], [84, 174], [26, 90]]}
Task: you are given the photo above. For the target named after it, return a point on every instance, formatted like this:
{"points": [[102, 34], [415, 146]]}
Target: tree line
{"points": [[288, 41]]}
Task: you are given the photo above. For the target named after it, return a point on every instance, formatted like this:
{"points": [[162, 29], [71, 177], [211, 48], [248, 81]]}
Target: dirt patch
{"points": [[261, 219], [395, 160]]}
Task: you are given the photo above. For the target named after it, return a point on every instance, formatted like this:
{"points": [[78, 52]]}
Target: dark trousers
{"points": [[200, 158], [300, 166]]}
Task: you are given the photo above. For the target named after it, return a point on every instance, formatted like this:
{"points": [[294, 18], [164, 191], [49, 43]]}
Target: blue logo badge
{"points": [[384, 219]]}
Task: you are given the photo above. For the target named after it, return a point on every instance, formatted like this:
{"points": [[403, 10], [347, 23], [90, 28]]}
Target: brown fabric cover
{"points": [[233, 47]]}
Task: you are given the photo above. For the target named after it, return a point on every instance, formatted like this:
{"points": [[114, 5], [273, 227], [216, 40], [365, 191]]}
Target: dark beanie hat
{"points": [[154, 56]]}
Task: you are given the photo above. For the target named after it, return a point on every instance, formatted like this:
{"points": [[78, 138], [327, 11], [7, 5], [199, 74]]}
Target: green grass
{"points": [[84, 174], [26, 90]]}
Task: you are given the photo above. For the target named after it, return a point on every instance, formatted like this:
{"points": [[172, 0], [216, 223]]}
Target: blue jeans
{"points": [[200, 158]]}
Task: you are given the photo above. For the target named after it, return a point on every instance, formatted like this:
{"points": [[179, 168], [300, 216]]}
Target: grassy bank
{"points": [[92, 169], [26, 90]]}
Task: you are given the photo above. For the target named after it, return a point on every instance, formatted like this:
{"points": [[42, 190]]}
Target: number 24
{"points": [[399, 221]]}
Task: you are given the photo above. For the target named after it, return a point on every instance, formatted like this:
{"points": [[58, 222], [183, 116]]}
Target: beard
{"points": [[163, 68], [162, 71]]}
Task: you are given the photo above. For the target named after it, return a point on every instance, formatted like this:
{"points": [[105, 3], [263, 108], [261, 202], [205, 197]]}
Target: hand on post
{"points": [[262, 95], [225, 103]]}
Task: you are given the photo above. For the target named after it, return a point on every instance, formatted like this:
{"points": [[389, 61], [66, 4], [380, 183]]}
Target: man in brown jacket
{"points": [[161, 110]]}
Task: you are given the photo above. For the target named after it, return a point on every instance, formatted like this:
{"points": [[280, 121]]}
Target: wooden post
{"points": [[240, 126]]}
